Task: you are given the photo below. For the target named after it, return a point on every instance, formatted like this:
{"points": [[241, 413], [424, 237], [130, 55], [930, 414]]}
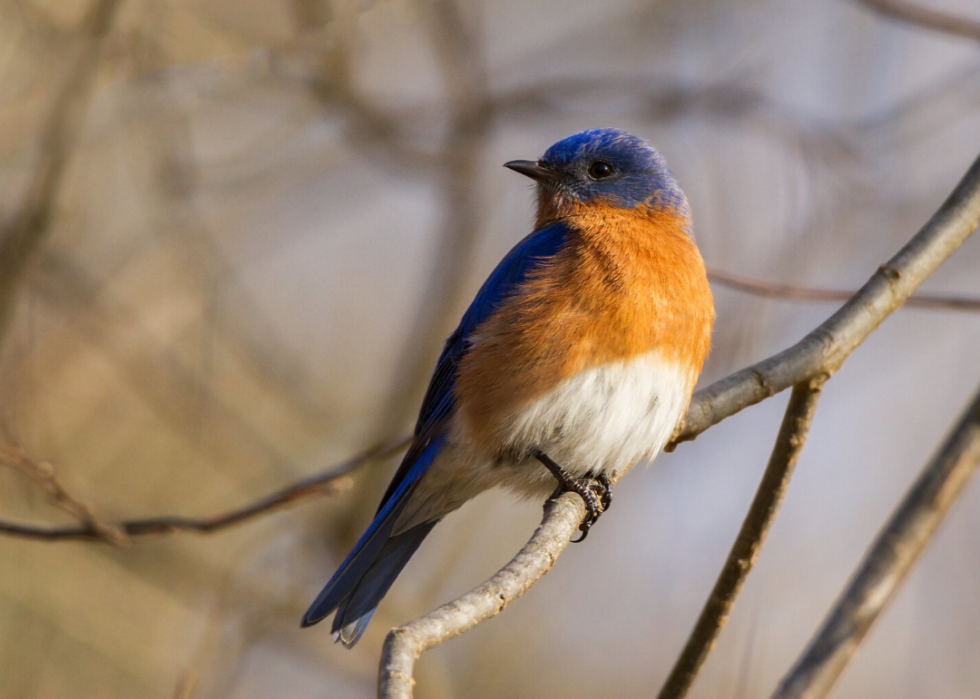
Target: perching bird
{"points": [[576, 359]]}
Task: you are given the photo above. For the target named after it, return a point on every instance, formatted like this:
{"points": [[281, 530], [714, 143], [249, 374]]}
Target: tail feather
{"points": [[370, 569], [354, 567], [356, 610]]}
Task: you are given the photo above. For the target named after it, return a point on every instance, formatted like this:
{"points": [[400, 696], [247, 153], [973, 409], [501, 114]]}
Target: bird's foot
{"points": [[594, 489], [604, 490]]}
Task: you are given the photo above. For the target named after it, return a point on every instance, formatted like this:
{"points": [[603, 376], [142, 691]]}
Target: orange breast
{"points": [[629, 282]]}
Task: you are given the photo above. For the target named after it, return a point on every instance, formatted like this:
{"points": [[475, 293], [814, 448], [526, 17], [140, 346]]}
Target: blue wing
{"points": [[369, 570], [440, 400]]}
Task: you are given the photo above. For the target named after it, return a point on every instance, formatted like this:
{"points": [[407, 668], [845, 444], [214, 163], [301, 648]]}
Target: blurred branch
{"points": [[824, 349], [888, 562], [42, 473], [406, 643], [457, 47], [331, 81], [326, 483], [911, 13], [791, 292], [27, 227], [241, 322], [745, 550], [154, 372]]}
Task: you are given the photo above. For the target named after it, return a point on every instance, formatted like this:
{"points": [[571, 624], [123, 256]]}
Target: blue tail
{"points": [[369, 570]]}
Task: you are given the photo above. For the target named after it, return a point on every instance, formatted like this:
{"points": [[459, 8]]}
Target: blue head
{"points": [[603, 165]]}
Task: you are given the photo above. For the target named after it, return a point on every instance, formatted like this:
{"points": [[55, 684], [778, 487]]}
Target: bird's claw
{"points": [[605, 491], [596, 492], [595, 489]]}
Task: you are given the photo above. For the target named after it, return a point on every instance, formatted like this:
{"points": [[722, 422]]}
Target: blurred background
{"points": [[251, 224]]}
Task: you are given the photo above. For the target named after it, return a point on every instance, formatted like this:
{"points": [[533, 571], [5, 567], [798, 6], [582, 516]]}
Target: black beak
{"points": [[535, 170]]}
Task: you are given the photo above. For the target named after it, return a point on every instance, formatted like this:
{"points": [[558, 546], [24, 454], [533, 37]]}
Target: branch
{"points": [[329, 482], [745, 550], [923, 17], [824, 349], [406, 643], [29, 225], [42, 473], [790, 292], [887, 563]]}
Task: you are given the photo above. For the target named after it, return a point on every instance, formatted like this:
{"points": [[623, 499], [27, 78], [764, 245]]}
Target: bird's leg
{"points": [[595, 490]]}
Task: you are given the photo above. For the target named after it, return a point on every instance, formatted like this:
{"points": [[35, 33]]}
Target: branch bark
{"points": [[745, 550], [887, 563], [406, 643]]}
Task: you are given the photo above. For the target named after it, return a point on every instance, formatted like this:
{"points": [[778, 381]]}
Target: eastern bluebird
{"points": [[576, 359]]}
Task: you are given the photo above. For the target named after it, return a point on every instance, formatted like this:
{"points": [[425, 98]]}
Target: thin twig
{"points": [[29, 225], [824, 349], [791, 292], [42, 473], [329, 482], [745, 550], [406, 643], [888, 562], [911, 13]]}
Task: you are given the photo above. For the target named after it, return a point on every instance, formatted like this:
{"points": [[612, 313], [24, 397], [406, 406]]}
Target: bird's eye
{"points": [[600, 169]]}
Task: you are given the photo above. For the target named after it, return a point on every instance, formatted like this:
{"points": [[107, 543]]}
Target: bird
{"points": [[576, 359]]}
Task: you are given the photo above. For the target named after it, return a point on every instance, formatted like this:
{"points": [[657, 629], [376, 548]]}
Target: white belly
{"points": [[605, 419]]}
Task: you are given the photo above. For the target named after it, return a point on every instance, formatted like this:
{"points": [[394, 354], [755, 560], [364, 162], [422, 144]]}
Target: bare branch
{"points": [[885, 566], [29, 225], [406, 643], [911, 13], [329, 482], [745, 550], [824, 349], [791, 292], [42, 473]]}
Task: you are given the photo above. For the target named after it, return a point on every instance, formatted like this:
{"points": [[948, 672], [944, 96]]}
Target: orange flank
{"points": [[630, 282]]}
